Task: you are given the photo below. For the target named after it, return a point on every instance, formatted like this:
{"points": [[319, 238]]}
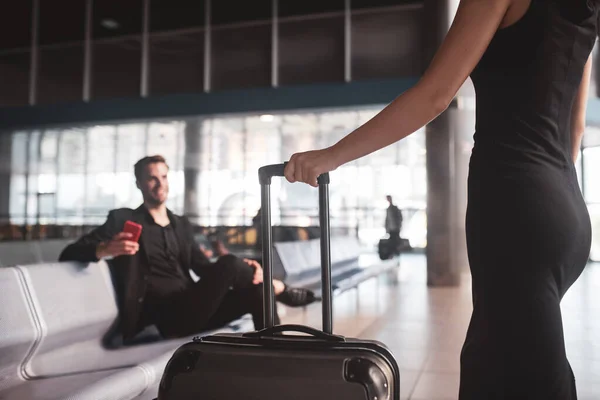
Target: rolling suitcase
{"points": [[269, 364]]}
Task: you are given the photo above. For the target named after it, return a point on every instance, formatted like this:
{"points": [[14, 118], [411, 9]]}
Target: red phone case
{"points": [[133, 228]]}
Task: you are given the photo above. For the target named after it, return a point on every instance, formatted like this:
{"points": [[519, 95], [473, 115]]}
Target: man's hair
{"points": [[140, 167]]}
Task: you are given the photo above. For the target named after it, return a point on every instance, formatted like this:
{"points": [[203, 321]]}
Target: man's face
{"points": [[154, 183]]}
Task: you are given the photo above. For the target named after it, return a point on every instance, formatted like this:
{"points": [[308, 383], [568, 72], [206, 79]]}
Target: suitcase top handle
{"points": [[274, 330], [268, 171]]}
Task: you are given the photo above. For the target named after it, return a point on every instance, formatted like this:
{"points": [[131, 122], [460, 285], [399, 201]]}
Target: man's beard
{"points": [[154, 201]]}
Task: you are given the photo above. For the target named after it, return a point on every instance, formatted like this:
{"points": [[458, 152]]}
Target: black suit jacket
{"points": [[130, 272]]}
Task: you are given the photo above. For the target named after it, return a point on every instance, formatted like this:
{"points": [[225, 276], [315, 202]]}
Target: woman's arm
{"points": [[579, 108], [473, 28]]}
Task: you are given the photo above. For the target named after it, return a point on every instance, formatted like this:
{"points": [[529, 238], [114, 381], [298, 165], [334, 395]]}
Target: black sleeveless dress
{"points": [[528, 229]]}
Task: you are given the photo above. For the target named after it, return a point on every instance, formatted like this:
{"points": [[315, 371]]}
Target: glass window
{"points": [[591, 163], [131, 146], [225, 151], [127, 194], [101, 146], [49, 150], [176, 191], [18, 188], [301, 132], [71, 185], [594, 211], [20, 143], [100, 171], [19, 175], [591, 137], [163, 139], [47, 171], [72, 151], [33, 168], [591, 190], [263, 146], [74, 176]]}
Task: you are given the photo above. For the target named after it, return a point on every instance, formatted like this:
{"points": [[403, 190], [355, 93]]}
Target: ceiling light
{"points": [[109, 23], [267, 118]]}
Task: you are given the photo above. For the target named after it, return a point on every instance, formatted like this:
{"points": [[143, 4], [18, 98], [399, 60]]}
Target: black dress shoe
{"points": [[296, 297]]}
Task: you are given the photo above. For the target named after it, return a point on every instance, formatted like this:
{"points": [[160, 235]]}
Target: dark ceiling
{"points": [[64, 21]]}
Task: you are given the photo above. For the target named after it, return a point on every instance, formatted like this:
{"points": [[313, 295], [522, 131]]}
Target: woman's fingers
{"points": [[290, 169], [306, 167], [312, 176]]}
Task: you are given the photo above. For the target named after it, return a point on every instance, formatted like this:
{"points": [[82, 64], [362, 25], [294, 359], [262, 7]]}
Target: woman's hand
{"points": [[306, 167]]}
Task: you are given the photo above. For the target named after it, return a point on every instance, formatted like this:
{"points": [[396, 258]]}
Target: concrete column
{"points": [[448, 143], [191, 166]]}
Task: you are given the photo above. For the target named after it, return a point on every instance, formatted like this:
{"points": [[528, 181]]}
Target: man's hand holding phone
{"points": [[122, 244], [119, 245]]}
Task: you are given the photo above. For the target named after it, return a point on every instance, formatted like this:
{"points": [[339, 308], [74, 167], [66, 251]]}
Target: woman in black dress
{"points": [[528, 229]]}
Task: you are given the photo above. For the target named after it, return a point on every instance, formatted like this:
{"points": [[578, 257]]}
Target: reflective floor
{"points": [[425, 327]]}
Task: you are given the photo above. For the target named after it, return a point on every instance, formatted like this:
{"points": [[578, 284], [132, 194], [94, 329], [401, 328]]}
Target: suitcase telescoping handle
{"points": [[265, 174], [274, 330]]}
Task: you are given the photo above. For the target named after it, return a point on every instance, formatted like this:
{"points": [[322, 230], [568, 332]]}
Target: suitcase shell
{"points": [[292, 368], [270, 364]]}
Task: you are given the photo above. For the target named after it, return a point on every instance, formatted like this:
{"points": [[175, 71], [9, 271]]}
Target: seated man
{"points": [[152, 277]]}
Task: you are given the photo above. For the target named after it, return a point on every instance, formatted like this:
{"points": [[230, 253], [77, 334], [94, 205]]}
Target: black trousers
{"points": [[223, 294]]}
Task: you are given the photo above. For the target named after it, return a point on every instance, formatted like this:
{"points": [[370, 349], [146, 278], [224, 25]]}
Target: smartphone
{"points": [[134, 228]]}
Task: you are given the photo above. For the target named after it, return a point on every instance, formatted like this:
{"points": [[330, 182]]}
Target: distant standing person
{"points": [[393, 223]]}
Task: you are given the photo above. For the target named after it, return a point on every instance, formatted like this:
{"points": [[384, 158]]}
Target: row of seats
{"points": [[55, 318], [299, 263]]}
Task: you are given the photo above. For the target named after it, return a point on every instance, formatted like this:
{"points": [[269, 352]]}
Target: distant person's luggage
{"points": [[269, 364], [386, 250]]}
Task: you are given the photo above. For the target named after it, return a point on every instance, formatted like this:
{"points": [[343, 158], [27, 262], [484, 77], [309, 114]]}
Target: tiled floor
{"points": [[425, 327]]}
